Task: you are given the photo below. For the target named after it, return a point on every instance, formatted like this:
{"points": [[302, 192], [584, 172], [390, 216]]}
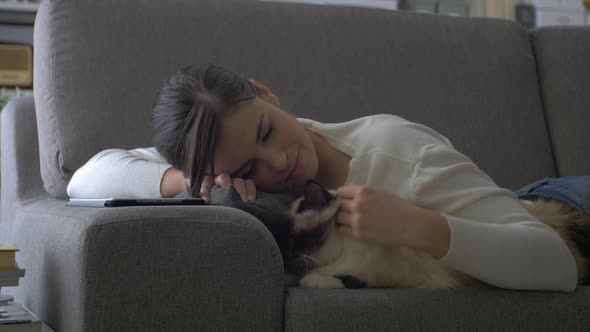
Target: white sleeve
{"points": [[493, 237], [120, 173]]}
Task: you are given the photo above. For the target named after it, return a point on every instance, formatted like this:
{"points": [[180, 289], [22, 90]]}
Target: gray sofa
{"points": [[513, 100]]}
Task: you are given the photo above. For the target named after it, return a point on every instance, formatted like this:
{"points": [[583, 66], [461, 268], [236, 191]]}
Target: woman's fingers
{"points": [[240, 186], [346, 223], [349, 191], [347, 205], [343, 219], [251, 190], [245, 188], [206, 185], [223, 180]]}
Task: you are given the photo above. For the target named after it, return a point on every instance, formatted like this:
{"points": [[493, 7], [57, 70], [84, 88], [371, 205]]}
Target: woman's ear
{"points": [[267, 95]]}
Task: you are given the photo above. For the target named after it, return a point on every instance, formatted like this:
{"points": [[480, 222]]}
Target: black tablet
{"points": [[117, 202]]}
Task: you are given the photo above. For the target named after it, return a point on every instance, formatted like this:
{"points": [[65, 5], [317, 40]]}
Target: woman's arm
{"points": [[492, 236], [137, 173], [173, 183], [431, 233], [383, 218]]}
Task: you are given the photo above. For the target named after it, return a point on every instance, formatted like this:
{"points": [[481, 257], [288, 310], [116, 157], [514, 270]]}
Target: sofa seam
{"points": [[62, 176], [532, 37]]}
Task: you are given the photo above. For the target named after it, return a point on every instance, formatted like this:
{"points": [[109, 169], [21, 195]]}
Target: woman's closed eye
{"points": [[253, 163]]}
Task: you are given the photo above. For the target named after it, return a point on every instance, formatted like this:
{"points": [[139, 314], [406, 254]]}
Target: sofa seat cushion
{"points": [[405, 309]]}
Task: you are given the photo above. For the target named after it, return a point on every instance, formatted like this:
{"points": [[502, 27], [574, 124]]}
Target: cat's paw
{"points": [[351, 282], [316, 280]]}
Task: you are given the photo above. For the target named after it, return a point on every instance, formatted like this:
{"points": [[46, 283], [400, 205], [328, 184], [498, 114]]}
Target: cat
{"points": [[313, 249]]}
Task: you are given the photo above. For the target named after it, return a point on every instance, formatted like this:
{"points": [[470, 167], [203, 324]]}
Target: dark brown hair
{"points": [[187, 113]]}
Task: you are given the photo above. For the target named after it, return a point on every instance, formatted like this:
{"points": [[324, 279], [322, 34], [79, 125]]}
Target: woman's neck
{"points": [[332, 163]]}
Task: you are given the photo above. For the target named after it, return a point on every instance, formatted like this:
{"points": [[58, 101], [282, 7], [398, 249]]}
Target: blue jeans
{"points": [[572, 190]]}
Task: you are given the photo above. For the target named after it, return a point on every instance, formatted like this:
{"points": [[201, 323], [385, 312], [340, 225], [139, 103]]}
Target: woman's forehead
{"points": [[237, 139]]}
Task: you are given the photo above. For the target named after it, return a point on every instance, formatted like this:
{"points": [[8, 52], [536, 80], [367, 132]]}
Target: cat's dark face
{"points": [[312, 217], [316, 207], [299, 219], [315, 199]]}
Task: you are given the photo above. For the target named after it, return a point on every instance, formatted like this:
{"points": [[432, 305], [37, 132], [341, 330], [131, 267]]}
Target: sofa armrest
{"points": [[20, 148], [21, 178], [166, 268]]}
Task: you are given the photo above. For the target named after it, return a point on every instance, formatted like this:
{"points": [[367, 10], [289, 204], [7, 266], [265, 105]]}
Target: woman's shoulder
{"points": [[149, 153], [116, 154], [389, 125], [397, 137], [377, 125], [379, 134]]}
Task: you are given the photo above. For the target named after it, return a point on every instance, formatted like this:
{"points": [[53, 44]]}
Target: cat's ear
{"points": [[315, 194]]}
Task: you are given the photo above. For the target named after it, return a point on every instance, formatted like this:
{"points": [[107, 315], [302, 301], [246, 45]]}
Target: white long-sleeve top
{"points": [[493, 238]]}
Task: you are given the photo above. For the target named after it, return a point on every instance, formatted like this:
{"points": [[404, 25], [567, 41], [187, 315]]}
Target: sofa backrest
{"points": [[563, 61], [98, 65]]}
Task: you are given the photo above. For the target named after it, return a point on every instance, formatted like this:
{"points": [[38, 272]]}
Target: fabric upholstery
{"points": [[460, 309], [563, 63], [157, 268], [474, 80], [203, 268], [21, 181]]}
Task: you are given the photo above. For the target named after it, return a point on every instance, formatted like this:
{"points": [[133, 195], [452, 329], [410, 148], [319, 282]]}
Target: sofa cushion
{"points": [[563, 62], [150, 268], [460, 309], [472, 79], [21, 181]]}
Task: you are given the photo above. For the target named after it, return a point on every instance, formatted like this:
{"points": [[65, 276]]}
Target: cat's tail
{"points": [[579, 232], [572, 227]]}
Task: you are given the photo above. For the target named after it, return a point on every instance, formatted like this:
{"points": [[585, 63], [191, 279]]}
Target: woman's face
{"points": [[261, 142]]}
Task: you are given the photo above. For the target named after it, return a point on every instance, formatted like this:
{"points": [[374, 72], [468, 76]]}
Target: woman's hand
{"points": [[379, 217], [245, 188]]}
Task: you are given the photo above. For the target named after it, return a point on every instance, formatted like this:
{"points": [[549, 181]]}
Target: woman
{"points": [[400, 183]]}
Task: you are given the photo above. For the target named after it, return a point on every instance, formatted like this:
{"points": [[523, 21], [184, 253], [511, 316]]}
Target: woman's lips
{"points": [[297, 167]]}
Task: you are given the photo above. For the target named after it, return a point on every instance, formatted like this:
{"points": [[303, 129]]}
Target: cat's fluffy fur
{"points": [[327, 259]]}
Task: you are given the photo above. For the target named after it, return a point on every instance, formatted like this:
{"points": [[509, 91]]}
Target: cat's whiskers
{"points": [[309, 261]]}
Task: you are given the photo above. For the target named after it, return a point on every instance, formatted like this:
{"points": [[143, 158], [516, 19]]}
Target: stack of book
{"points": [[13, 316], [9, 271]]}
